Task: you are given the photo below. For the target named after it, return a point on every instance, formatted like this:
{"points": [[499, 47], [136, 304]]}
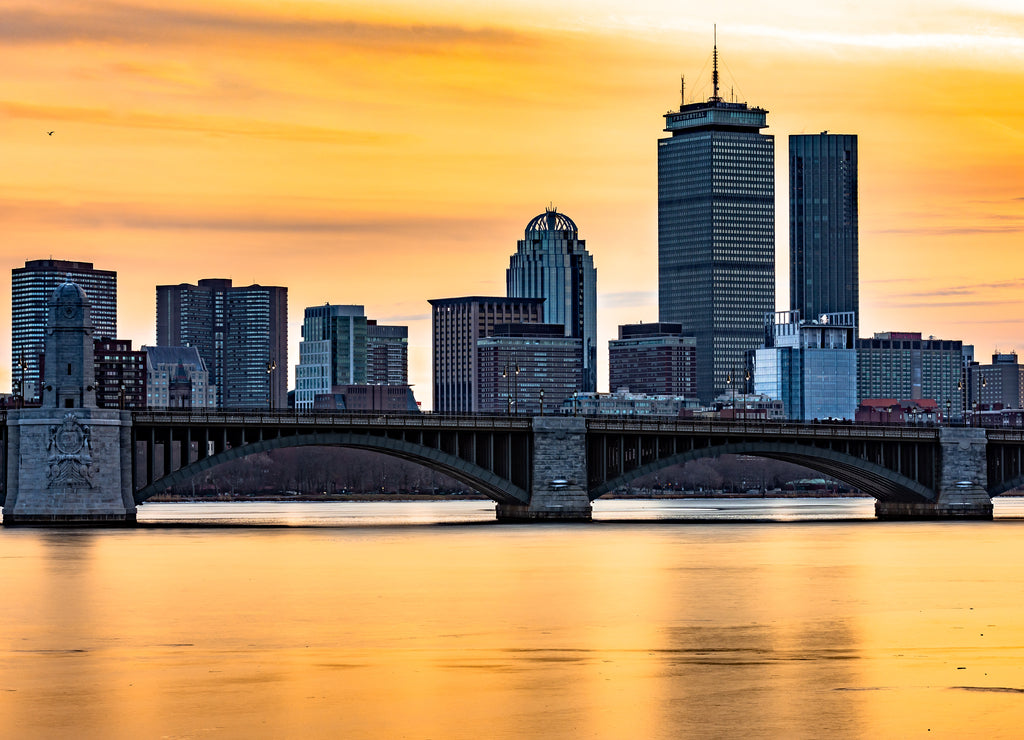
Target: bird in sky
{"points": [[49, 133]]}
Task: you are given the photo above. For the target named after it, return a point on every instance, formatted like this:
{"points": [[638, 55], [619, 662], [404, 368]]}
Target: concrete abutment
{"points": [[962, 477], [559, 475]]}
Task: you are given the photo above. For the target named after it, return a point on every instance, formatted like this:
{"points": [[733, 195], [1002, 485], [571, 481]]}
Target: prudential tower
{"points": [[716, 233], [553, 263]]}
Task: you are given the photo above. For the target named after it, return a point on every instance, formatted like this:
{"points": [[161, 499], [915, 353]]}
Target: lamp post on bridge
{"points": [[271, 367]]}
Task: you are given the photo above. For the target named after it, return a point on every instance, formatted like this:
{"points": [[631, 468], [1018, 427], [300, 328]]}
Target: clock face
{"points": [[68, 311]]}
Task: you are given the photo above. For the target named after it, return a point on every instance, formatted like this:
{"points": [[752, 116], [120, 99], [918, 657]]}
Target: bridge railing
{"points": [[333, 419], [761, 428]]}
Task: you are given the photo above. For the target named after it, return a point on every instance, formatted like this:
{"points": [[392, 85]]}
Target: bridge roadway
{"points": [[554, 466]]}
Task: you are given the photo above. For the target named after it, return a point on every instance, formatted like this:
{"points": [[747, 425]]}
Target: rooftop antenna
{"points": [[682, 91], [714, 74]]}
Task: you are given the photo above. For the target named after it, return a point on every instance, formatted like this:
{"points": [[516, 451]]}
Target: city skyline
{"points": [[183, 149]]}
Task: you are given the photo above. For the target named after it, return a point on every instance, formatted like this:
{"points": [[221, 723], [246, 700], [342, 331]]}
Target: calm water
{"points": [[660, 620]]}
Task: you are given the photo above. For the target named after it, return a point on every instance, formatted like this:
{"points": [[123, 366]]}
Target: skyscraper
{"points": [[241, 334], [552, 263], [31, 287], [823, 238], [716, 232]]}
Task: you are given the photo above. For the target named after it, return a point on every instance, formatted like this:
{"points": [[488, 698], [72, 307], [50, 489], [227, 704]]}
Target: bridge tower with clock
{"points": [[69, 462]]}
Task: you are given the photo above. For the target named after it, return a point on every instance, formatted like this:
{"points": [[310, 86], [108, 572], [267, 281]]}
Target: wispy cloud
{"points": [[122, 23], [214, 125], [628, 299], [129, 215], [955, 230]]}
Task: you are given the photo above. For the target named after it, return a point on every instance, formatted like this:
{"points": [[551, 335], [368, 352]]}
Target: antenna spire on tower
{"points": [[714, 73], [682, 91]]}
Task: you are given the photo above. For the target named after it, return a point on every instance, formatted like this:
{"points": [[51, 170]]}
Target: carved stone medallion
{"points": [[70, 456]]}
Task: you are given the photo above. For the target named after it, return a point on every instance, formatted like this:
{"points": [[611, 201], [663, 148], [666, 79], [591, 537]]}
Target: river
{"points": [[661, 619]]}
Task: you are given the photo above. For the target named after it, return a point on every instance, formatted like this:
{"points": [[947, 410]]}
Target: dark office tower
{"points": [[241, 334], [716, 232], [457, 325], [823, 224], [31, 287], [552, 263]]}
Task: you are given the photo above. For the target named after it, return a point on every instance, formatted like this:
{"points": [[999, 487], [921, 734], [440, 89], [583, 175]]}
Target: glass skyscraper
{"points": [[716, 232], [553, 263], [823, 239]]}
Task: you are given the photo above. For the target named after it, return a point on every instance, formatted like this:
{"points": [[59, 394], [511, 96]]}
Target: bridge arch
{"points": [[481, 479], [871, 478]]}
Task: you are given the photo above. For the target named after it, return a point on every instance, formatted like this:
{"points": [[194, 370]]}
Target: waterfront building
{"points": [[527, 368], [177, 378], [922, 411], [654, 359], [823, 231], [811, 366], [241, 333], [627, 403], [457, 325], [999, 385], [716, 231], [903, 365], [120, 374], [393, 398], [553, 263], [31, 288]]}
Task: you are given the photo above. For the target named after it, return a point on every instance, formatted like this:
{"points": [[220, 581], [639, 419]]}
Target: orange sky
{"points": [[384, 154]]}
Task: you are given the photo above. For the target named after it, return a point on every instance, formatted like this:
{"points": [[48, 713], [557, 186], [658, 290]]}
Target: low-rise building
{"points": [[177, 378], [811, 366], [654, 359]]}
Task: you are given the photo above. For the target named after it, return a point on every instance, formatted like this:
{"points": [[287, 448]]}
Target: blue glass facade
{"points": [[810, 366]]}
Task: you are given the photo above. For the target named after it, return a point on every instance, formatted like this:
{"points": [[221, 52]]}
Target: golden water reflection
{"points": [[609, 630]]}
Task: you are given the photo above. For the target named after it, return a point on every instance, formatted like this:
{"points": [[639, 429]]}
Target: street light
{"points": [[21, 384], [271, 367], [542, 402]]}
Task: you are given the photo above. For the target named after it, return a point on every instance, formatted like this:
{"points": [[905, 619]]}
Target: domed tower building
{"points": [[553, 263]]}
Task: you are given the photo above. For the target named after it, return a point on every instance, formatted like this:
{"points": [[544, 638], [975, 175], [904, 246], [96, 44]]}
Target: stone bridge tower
{"points": [[69, 462]]}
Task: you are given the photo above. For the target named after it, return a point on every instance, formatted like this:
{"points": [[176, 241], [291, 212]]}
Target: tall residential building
{"points": [[654, 359], [387, 354], [811, 366], [457, 325], [120, 374], [176, 378], [341, 347], [823, 234], [552, 263], [716, 232], [528, 368], [31, 287], [902, 365], [241, 334]]}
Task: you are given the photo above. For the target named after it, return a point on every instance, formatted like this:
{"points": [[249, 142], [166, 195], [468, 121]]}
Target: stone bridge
{"points": [[553, 467]]}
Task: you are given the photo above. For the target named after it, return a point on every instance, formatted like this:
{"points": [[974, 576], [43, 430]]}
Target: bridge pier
{"points": [[559, 489], [963, 475]]}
